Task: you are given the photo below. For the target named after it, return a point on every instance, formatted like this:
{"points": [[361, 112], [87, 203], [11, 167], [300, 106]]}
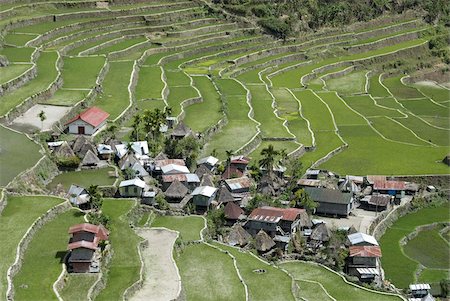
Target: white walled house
{"points": [[88, 122]]}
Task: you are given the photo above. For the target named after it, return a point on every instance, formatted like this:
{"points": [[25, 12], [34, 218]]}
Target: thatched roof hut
{"points": [[78, 143], [90, 159], [321, 233], [237, 236], [352, 230], [181, 130], [304, 221], [225, 195], [176, 191], [82, 145], [202, 170], [64, 151], [233, 211], [207, 180], [263, 242]]}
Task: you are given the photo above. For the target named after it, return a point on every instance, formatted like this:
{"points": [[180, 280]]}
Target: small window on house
{"points": [[126, 189]]}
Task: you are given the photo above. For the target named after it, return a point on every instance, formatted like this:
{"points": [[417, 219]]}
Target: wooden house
{"points": [[105, 151], [377, 203], [239, 185], [331, 201], [202, 197], [84, 247], [132, 188], [88, 122], [79, 197], [319, 235], [273, 220], [233, 213], [209, 162], [363, 262], [240, 162], [176, 192], [190, 180]]}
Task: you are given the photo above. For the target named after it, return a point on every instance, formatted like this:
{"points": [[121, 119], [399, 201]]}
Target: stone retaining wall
{"points": [[100, 284], [3, 201], [130, 291], [341, 73], [329, 156], [129, 50], [61, 281], [23, 244], [419, 229], [110, 43], [171, 17], [298, 152], [187, 103], [192, 32], [38, 97], [382, 43], [386, 219], [251, 145]]}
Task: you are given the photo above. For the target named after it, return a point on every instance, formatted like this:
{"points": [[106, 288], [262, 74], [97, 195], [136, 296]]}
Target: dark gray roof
{"points": [[207, 180], [181, 130], [225, 195], [202, 170], [325, 195], [176, 190], [81, 255], [321, 233]]}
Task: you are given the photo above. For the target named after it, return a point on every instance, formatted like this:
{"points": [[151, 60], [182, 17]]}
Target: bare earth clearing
{"points": [[162, 280], [52, 114]]}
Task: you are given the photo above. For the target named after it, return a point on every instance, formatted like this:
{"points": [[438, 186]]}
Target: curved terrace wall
{"points": [[382, 43]]}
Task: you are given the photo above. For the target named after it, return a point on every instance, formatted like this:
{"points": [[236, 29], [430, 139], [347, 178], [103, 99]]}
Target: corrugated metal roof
{"points": [[134, 182], [308, 182], [274, 215], [208, 160], [367, 271], [238, 183], [204, 190], [94, 116], [419, 286], [365, 251], [190, 178], [389, 185], [174, 169], [359, 237]]}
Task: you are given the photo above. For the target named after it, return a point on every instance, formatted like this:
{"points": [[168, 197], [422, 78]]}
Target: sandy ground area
{"points": [[433, 84], [161, 277], [30, 117], [361, 220]]}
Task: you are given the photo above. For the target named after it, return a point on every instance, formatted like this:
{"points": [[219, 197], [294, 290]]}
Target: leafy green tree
{"points": [[302, 199], [95, 197], [42, 117], [269, 156]]}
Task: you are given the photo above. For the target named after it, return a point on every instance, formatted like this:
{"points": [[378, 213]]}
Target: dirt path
{"points": [[162, 280]]}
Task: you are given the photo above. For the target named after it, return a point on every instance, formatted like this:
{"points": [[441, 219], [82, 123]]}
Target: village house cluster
{"points": [[229, 186]]}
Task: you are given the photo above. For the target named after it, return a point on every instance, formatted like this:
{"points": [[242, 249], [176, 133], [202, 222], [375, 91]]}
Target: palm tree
{"points": [[268, 159], [137, 125], [229, 153], [42, 117]]}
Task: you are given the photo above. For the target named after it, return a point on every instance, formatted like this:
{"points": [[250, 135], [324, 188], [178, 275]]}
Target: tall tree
{"points": [[137, 119], [42, 117], [269, 156], [229, 154], [95, 196]]}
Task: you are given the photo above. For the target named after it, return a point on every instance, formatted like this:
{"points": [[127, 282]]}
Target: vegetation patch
{"points": [[188, 226], [83, 178]]}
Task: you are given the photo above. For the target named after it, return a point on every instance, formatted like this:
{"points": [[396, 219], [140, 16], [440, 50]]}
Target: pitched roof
{"points": [[93, 116], [78, 143], [161, 156], [325, 195], [225, 195], [379, 200], [202, 170], [76, 190], [239, 183], [210, 160], [82, 244], [99, 230], [239, 160], [64, 150], [308, 182], [232, 211], [263, 242], [133, 182], [176, 190], [161, 163], [174, 169], [207, 180], [238, 236], [90, 159], [274, 215], [365, 251], [104, 149], [321, 233], [207, 191], [232, 172], [181, 130], [389, 185], [359, 237], [189, 178]]}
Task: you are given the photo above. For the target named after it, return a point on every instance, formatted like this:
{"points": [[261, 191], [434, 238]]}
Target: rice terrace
{"points": [[224, 150]]}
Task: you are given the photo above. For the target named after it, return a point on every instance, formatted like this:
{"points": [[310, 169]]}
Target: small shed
{"points": [[148, 197], [90, 160], [173, 169], [132, 188], [181, 131], [202, 170], [361, 239], [105, 151], [176, 192], [79, 197], [263, 242], [209, 162], [207, 180], [203, 196], [239, 185]]}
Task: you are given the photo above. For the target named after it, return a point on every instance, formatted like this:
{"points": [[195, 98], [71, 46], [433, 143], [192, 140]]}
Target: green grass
{"points": [[430, 249], [18, 39], [188, 226], [442, 122], [271, 125], [365, 105], [342, 114], [351, 83], [288, 146], [433, 276], [125, 264], [82, 72], [77, 286], [15, 219], [311, 291], [425, 107], [42, 260], [115, 96], [177, 78], [149, 84], [121, 45], [46, 75], [399, 90], [12, 71], [398, 268], [204, 267], [332, 283], [288, 108], [17, 155], [179, 94], [434, 92], [274, 284], [17, 55], [392, 130], [144, 219], [209, 109], [66, 97], [376, 89], [84, 178], [389, 102], [425, 131]]}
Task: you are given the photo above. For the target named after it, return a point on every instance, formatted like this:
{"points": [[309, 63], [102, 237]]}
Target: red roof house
{"points": [[270, 219], [84, 247], [88, 122]]}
